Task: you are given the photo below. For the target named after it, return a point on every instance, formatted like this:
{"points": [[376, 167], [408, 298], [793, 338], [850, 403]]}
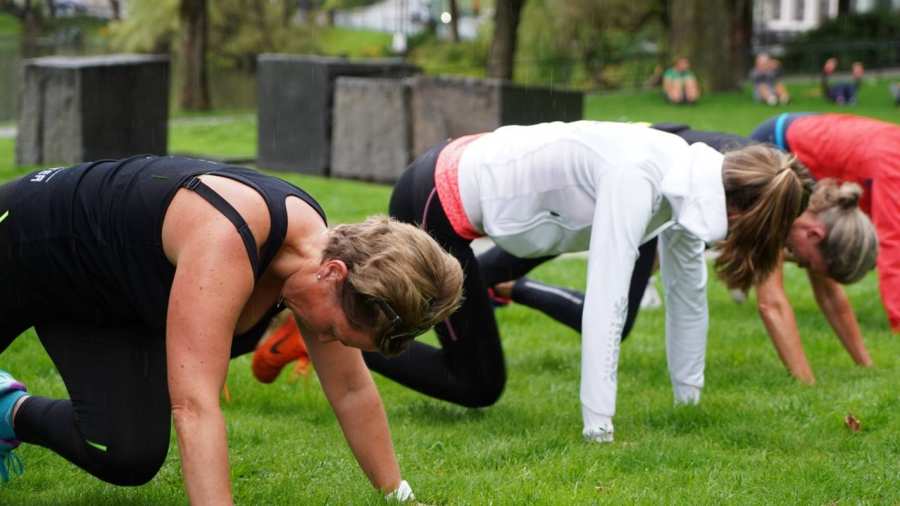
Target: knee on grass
{"points": [[483, 393], [130, 466]]}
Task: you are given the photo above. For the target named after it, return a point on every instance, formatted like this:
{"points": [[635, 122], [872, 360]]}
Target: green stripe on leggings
{"points": [[4, 216], [98, 446]]}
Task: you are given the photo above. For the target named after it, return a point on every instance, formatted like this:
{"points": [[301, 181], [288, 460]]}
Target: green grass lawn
{"points": [[337, 41], [228, 135], [736, 112], [758, 437], [9, 25]]}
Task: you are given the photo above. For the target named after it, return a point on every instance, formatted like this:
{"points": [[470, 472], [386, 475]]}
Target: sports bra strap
{"points": [[200, 188]]}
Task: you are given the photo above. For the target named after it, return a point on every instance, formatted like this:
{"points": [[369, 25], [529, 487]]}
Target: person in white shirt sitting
{"points": [[605, 188]]}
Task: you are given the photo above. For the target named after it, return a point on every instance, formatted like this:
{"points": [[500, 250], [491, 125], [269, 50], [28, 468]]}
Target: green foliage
{"points": [[346, 4], [9, 25], [238, 31], [436, 56], [872, 38], [337, 41], [587, 43], [151, 26]]}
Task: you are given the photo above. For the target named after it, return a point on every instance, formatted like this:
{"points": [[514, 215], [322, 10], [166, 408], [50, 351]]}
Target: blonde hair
{"points": [[765, 191], [851, 246], [400, 282]]}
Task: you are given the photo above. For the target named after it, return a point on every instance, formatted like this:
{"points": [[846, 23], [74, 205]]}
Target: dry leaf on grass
{"points": [[852, 423]]}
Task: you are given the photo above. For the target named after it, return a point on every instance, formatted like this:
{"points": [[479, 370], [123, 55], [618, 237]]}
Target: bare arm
{"points": [[211, 286], [778, 317], [355, 400], [833, 301]]}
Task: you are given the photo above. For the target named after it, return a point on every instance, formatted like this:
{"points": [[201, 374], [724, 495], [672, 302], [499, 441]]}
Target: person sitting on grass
{"points": [[766, 78], [845, 92], [605, 188], [143, 276], [680, 84]]}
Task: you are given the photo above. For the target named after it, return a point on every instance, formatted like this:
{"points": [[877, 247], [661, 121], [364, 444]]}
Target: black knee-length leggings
{"points": [[116, 423], [566, 305], [468, 368]]}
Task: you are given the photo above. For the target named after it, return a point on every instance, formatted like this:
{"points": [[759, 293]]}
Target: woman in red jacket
{"points": [[860, 150]]}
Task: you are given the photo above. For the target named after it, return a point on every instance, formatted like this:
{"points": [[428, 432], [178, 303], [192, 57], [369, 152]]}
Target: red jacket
{"points": [[865, 151]]}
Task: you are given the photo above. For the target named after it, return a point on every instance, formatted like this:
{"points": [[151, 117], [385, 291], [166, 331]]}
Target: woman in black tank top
{"points": [[136, 269]]}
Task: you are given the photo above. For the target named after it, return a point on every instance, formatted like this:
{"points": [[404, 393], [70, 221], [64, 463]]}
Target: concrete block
{"points": [[295, 102], [449, 107], [371, 138], [88, 108]]}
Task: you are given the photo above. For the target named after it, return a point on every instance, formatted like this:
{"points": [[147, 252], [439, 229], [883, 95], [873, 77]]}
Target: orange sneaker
{"points": [[279, 347]]}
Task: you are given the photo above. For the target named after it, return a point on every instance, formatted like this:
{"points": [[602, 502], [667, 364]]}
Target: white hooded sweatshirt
{"points": [[606, 188]]}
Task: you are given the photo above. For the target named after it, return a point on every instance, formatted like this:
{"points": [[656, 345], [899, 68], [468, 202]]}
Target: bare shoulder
{"points": [[191, 218], [303, 220], [305, 229]]}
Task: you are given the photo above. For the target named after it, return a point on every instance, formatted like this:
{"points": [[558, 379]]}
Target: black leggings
{"points": [[566, 305], [116, 422], [468, 368]]}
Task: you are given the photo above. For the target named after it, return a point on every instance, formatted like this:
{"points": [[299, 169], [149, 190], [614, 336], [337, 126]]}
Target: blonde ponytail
{"points": [[765, 191]]}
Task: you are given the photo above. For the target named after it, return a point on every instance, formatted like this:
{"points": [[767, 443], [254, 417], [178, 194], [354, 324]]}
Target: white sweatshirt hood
{"points": [[697, 194]]}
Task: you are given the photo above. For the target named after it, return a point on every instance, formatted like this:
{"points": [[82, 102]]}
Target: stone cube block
{"points": [[88, 108], [371, 137], [448, 107], [295, 103]]}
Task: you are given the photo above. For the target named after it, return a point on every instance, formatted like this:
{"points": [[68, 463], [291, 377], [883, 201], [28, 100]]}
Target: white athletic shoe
{"points": [[598, 435]]}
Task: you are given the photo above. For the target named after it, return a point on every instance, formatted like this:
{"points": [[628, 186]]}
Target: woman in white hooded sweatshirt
{"points": [[600, 187]]}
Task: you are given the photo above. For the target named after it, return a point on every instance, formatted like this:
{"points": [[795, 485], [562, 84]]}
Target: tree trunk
{"points": [[51, 8], [503, 47], [32, 23], [700, 27], [116, 9], [31, 29], [195, 37], [741, 42], [454, 21], [843, 7], [260, 9], [288, 9]]}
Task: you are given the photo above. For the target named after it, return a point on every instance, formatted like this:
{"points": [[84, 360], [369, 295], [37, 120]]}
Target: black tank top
{"points": [[88, 239]]}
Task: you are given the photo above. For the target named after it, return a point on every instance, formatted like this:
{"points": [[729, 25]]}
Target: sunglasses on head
{"points": [[395, 322]]}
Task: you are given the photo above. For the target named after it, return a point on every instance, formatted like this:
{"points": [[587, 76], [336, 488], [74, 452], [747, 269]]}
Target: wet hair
{"points": [[400, 282], [851, 244], [765, 191]]}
